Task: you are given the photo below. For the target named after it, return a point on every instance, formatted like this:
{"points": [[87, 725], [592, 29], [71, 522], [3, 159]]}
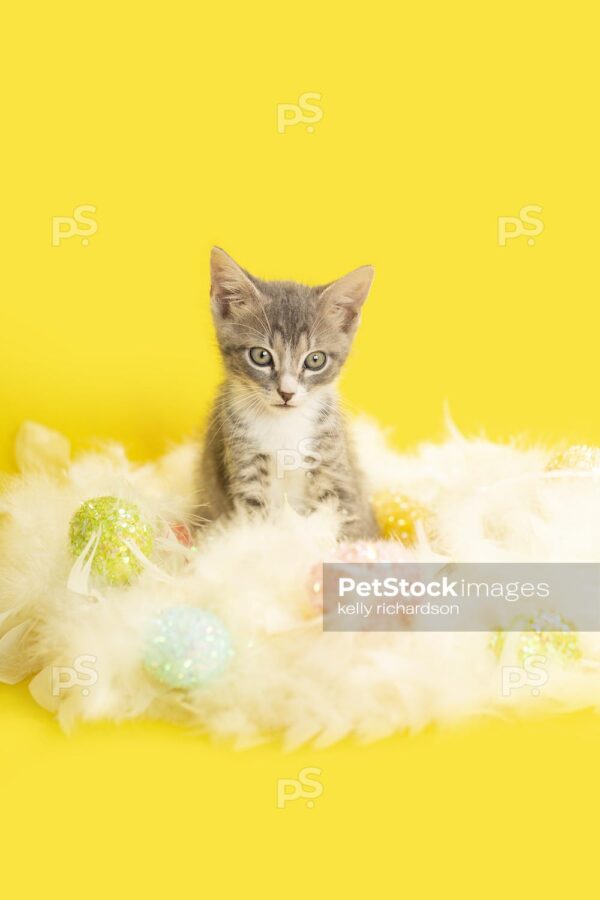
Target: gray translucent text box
{"points": [[460, 596]]}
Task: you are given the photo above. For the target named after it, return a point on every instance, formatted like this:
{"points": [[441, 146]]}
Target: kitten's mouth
{"points": [[282, 406]]}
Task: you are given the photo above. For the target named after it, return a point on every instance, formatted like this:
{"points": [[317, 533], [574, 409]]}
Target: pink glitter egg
{"points": [[355, 552]]}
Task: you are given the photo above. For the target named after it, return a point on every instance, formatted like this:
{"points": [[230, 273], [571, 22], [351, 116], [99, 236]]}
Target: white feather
{"points": [[288, 676]]}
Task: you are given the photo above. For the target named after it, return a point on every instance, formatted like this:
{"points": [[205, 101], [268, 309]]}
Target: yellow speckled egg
{"points": [[397, 516]]}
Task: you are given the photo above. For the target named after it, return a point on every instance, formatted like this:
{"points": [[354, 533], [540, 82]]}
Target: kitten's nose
{"points": [[285, 395]]}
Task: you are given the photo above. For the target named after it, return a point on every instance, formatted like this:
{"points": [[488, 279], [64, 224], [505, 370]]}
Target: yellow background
{"points": [[437, 119]]}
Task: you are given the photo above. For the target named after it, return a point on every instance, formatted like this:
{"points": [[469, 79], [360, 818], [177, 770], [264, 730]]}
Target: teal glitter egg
{"points": [[187, 647], [115, 521]]}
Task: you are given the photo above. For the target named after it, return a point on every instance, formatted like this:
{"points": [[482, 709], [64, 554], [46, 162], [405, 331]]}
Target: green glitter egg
{"points": [[549, 635], [116, 521]]}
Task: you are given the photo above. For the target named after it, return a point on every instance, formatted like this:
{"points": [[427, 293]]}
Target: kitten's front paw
{"points": [[361, 528], [252, 506]]}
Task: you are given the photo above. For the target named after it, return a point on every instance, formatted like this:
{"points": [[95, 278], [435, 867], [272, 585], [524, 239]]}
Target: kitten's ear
{"points": [[230, 287], [346, 296]]}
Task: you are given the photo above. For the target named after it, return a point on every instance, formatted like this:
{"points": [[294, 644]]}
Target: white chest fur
{"points": [[286, 436]]}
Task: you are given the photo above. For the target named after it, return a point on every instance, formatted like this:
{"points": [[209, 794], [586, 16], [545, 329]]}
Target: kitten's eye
{"points": [[315, 361], [260, 356]]}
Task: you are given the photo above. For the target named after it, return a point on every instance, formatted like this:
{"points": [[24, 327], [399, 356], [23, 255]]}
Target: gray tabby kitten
{"points": [[277, 430]]}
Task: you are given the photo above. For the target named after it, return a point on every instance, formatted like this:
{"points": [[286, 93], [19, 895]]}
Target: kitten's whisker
{"points": [[259, 334], [264, 320], [253, 404], [198, 520], [233, 408], [315, 325]]}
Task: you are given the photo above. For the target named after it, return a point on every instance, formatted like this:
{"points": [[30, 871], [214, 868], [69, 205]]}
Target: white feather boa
{"points": [[492, 503]]}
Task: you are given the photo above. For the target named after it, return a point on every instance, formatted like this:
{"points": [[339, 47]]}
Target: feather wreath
{"points": [[246, 597]]}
